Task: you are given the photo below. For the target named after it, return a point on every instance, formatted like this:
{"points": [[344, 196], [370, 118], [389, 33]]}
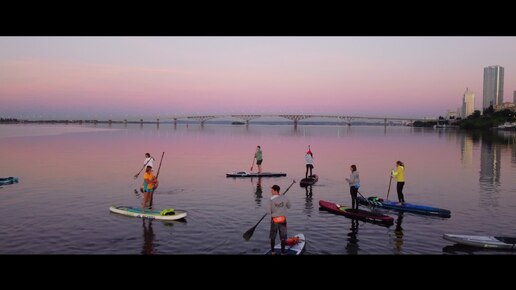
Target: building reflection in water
{"points": [[148, 238], [466, 149], [490, 158]]}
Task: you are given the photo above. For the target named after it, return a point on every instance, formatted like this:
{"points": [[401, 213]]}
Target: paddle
{"points": [[364, 198], [252, 164], [247, 235], [371, 205], [157, 174], [389, 190]]}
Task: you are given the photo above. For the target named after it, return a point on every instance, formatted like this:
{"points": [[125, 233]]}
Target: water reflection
{"points": [[148, 238], [466, 149], [490, 154], [258, 192], [308, 201], [490, 165], [352, 246], [398, 234]]}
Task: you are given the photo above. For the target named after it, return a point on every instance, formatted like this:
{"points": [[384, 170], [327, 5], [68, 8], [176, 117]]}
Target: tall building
{"points": [[468, 103], [493, 86], [514, 97]]}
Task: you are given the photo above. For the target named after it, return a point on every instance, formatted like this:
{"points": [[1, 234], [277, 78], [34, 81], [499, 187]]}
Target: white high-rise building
{"points": [[493, 86], [514, 97], [468, 103]]}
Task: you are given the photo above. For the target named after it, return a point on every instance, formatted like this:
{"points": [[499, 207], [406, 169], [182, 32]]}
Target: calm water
{"points": [[69, 176]]}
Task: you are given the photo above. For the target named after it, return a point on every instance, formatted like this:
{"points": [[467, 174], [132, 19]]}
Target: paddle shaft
{"points": [[252, 164], [157, 174], [389, 190], [365, 199]]}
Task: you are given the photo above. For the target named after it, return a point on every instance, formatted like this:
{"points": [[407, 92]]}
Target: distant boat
{"points": [[507, 126], [445, 126], [237, 123]]}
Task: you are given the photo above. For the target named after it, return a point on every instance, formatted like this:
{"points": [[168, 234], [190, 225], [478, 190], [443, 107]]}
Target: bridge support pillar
{"points": [[349, 121]]}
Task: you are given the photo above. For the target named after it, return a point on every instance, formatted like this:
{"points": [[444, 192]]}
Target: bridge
{"points": [[295, 118]]}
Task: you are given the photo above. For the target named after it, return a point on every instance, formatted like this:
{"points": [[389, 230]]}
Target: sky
{"points": [[151, 77]]}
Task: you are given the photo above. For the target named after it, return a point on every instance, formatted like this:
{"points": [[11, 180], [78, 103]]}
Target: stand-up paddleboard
{"points": [[408, 207], [358, 214], [255, 174], [296, 248], [149, 214], [492, 242], [8, 180], [310, 180]]}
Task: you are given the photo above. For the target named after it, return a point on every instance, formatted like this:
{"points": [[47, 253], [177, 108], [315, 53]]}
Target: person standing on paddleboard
{"points": [[278, 208], [149, 161], [259, 158], [354, 184], [309, 159], [149, 183], [399, 174]]}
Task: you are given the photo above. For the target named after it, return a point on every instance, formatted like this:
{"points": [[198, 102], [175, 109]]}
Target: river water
{"points": [[70, 176]]}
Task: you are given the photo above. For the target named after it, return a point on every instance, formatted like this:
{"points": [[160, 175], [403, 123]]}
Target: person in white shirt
{"points": [[309, 158], [149, 161]]}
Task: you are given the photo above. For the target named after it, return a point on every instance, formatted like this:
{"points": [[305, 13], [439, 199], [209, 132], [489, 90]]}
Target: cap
{"points": [[276, 187]]}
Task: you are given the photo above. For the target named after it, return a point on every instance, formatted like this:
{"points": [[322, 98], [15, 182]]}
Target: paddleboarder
{"points": [[309, 159], [354, 184], [399, 174], [259, 158], [149, 183], [149, 161], [278, 209]]}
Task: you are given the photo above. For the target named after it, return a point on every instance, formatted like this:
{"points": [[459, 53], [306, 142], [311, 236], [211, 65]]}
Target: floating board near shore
{"points": [[408, 207], [492, 242], [310, 180], [296, 249], [358, 214], [255, 174], [9, 180], [148, 214]]}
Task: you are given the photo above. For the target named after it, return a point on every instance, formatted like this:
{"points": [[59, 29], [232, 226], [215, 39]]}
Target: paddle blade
{"points": [[247, 235]]}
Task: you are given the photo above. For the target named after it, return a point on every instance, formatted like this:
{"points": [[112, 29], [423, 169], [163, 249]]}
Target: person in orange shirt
{"points": [[149, 184]]}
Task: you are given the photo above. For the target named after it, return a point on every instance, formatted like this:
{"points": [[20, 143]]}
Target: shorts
{"points": [[146, 187], [282, 230], [259, 162]]}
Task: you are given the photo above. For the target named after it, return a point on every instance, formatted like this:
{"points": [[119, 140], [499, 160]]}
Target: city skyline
{"points": [[116, 77]]}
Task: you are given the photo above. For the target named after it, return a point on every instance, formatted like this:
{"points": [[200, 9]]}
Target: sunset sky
{"points": [[148, 77]]}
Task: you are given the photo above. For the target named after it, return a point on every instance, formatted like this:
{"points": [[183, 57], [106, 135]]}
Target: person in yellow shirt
{"points": [[149, 184], [399, 174]]}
